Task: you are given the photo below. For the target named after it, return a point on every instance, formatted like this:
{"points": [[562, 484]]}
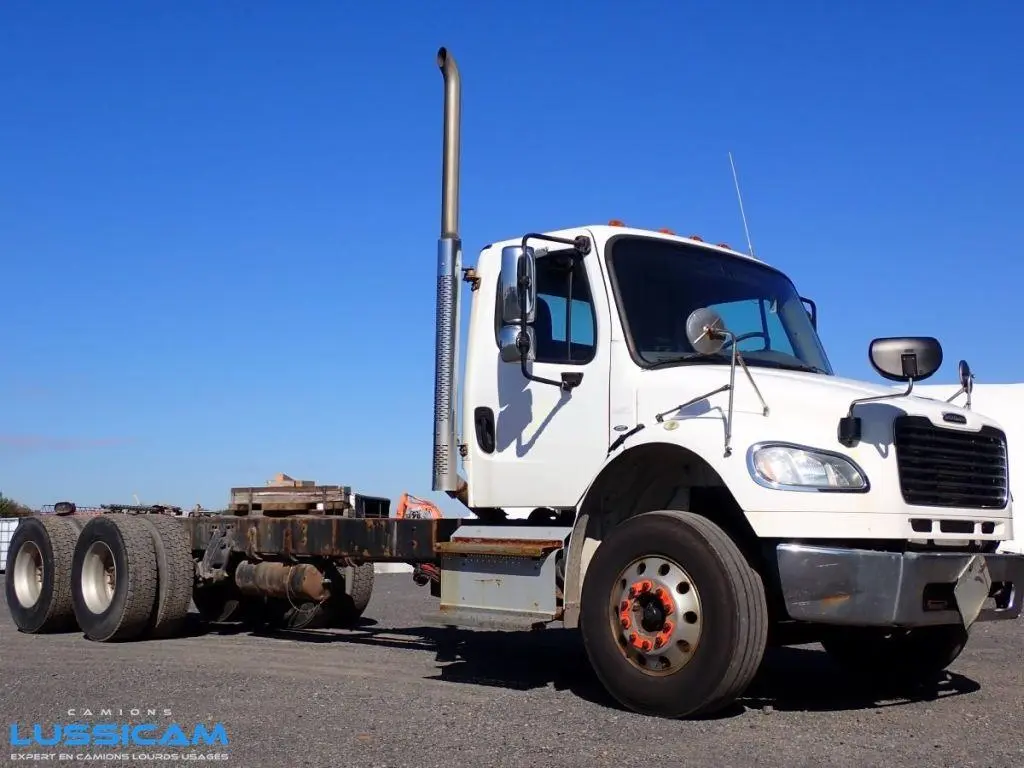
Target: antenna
{"points": [[736, 182]]}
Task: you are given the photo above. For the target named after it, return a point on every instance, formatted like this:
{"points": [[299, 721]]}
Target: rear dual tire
{"points": [[175, 575], [114, 578], [131, 577], [673, 618], [38, 580]]}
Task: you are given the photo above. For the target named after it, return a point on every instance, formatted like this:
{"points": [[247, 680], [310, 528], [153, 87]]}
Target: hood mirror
{"points": [[707, 334], [906, 358], [898, 358]]}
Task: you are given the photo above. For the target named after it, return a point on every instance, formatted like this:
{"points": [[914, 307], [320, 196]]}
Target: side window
{"points": [[565, 327]]}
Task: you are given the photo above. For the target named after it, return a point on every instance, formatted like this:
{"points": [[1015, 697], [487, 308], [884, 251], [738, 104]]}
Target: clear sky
{"points": [[218, 220]]}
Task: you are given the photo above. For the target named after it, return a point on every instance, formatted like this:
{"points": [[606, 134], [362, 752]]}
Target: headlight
{"points": [[792, 467]]}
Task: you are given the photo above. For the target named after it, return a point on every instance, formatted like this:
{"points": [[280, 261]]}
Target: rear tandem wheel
{"points": [[114, 577], [38, 583]]}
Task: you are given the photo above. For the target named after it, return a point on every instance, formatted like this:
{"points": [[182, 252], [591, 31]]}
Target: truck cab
{"points": [[615, 320], [663, 414]]}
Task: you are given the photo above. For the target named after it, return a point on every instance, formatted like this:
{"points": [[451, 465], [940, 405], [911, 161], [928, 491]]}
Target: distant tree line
{"points": [[11, 508]]}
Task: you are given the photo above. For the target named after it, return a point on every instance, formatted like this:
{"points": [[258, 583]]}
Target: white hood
{"points": [[791, 396]]}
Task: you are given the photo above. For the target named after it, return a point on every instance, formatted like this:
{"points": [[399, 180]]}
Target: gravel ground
{"points": [[388, 694]]}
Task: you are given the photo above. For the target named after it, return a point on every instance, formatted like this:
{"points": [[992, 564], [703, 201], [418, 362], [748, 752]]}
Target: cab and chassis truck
{"points": [[654, 450]]}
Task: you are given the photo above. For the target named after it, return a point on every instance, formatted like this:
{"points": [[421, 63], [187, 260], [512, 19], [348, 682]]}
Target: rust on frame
{"points": [[499, 547], [328, 536]]}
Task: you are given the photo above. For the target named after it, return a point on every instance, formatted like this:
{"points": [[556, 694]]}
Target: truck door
{"points": [[548, 443]]}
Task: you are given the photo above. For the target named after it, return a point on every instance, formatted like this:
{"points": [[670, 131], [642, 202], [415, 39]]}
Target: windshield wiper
{"points": [[690, 357], [786, 366], [726, 358]]}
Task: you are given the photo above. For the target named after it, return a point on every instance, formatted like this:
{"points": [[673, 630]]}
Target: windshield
{"points": [[660, 282]]}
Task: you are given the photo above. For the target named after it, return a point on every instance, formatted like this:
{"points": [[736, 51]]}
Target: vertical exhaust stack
{"points": [[449, 267]]}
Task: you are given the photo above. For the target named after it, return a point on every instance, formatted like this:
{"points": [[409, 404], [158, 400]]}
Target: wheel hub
{"points": [[653, 614], [99, 577], [28, 574], [657, 615]]}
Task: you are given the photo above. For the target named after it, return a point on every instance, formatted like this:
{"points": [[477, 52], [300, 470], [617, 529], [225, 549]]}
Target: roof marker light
{"points": [[666, 231], [698, 238], [615, 223]]}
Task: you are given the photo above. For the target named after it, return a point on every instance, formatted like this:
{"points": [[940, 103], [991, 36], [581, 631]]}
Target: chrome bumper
{"points": [[860, 587]]}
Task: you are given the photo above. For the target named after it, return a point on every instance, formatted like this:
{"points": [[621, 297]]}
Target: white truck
{"points": [[699, 483]]}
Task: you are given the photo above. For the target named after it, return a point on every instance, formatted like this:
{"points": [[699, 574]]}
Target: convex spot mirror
{"points": [[514, 341], [706, 331], [905, 358], [966, 377]]}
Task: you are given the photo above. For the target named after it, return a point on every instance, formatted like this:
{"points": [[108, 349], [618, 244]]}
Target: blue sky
{"points": [[218, 220]]}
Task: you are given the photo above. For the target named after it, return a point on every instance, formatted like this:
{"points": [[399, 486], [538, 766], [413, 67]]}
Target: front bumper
{"points": [[859, 587]]}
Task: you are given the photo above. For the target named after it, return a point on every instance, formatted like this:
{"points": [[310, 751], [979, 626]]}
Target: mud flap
{"points": [[972, 589]]}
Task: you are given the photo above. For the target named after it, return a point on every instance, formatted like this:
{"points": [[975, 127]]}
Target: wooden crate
{"points": [[285, 500]]}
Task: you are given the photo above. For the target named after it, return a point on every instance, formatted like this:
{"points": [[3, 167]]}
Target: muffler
{"points": [[280, 580]]}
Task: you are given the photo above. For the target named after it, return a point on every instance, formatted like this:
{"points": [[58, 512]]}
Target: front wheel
{"points": [[896, 655], [674, 620]]}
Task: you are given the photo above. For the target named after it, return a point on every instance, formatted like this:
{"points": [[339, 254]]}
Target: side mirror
{"points": [[514, 341], [909, 359], [518, 285], [812, 311]]}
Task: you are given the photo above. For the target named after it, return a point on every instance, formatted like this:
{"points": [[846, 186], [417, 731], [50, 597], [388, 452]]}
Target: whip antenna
{"points": [[739, 197]]}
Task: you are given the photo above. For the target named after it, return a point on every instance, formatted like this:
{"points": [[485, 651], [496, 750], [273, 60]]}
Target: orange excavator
{"points": [[414, 508]]}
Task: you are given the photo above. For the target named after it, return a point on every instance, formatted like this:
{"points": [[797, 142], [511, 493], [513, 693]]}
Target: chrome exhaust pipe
{"points": [[451, 149], [449, 268]]}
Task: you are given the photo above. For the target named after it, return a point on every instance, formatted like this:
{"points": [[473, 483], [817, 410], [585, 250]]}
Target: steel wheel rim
{"points": [[656, 615], [99, 577], [28, 574]]}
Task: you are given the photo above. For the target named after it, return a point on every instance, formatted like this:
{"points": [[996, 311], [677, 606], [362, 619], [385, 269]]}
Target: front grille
{"points": [[950, 468]]}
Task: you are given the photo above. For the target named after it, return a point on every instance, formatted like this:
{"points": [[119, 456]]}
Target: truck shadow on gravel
{"points": [[791, 679]]}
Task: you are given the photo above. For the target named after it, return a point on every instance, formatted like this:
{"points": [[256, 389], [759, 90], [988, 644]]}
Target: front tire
{"points": [[673, 618], [888, 655]]}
